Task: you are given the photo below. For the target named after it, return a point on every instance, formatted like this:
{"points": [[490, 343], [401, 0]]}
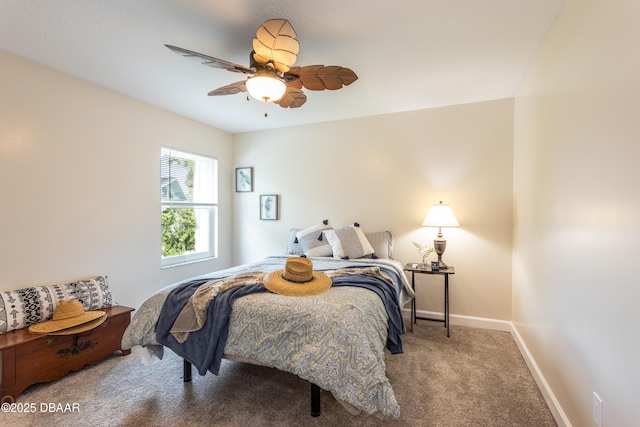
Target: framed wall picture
{"points": [[244, 180], [269, 206]]}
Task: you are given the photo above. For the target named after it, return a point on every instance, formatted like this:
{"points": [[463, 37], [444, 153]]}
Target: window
{"points": [[189, 200]]}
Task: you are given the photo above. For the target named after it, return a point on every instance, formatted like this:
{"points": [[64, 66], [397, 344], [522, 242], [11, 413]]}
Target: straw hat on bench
{"points": [[69, 318]]}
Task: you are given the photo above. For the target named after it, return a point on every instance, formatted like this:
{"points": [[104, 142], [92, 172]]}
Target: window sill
{"points": [[184, 263]]}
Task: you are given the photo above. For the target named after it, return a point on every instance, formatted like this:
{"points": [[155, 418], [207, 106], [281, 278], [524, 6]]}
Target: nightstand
{"points": [[420, 269]]}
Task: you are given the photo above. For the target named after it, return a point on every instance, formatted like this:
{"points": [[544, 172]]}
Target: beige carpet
{"points": [[475, 378]]}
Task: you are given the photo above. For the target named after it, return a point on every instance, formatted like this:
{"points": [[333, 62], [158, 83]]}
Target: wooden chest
{"points": [[29, 358]]}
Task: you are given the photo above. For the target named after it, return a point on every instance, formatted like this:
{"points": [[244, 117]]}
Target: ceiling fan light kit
{"points": [[265, 86], [271, 75]]}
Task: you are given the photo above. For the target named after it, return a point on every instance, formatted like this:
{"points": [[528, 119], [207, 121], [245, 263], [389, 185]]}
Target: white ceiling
{"points": [[408, 54]]}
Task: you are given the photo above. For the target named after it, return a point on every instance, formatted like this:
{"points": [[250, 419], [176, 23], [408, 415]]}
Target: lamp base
{"points": [[441, 264], [440, 245]]}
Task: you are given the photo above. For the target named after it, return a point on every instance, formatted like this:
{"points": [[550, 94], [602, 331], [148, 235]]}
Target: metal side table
{"points": [[426, 269]]}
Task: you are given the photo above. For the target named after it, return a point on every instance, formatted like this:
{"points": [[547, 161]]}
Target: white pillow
{"points": [[312, 240], [348, 242]]}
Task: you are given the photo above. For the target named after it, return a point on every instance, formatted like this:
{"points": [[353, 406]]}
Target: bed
{"points": [[336, 340]]}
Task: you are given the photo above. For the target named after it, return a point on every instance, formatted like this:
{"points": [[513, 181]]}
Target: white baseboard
{"points": [[549, 397], [507, 326], [474, 322]]}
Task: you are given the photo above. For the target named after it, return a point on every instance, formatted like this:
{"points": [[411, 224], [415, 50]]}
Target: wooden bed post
{"points": [[315, 400]]}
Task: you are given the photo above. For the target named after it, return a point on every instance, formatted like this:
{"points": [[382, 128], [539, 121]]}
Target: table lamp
{"points": [[440, 215]]}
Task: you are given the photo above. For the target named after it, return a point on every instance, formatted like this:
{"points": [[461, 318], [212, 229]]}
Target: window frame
{"points": [[209, 207]]}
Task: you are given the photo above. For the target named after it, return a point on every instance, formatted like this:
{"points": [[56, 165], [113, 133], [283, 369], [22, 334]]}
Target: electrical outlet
{"points": [[597, 409]]}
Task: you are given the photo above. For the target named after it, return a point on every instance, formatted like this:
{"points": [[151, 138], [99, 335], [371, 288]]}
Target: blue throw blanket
{"points": [[204, 348]]}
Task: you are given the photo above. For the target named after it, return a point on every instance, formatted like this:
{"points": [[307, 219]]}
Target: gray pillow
{"points": [[312, 240], [382, 244]]}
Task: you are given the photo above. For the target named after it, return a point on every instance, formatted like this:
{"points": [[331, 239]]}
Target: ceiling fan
{"points": [[271, 74]]}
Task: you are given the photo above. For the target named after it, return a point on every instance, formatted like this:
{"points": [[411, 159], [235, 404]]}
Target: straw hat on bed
{"points": [[297, 279], [69, 318]]}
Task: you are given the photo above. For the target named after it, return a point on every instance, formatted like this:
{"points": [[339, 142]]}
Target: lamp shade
{"points": [[266, 87], [440, 215]]}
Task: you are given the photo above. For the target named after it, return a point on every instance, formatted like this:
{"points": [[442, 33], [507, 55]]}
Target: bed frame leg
{"points": [[315, 400], [186, 371]]}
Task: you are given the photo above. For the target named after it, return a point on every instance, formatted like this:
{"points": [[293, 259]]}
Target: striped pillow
{"points": [[312, 240], [348, 242]]}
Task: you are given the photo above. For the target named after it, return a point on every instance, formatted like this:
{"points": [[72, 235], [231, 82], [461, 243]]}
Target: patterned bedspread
{"points": [[335, 340]]}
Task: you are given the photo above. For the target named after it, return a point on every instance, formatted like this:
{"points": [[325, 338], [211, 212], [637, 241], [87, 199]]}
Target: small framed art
{"points": [[269, 206], [244, 180]]}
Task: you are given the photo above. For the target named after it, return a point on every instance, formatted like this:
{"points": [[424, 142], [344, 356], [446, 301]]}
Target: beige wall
{"points": [[385, 172], [79, 167], [577, 211]]}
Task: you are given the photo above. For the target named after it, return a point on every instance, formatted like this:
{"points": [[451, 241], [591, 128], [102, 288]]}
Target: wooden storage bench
{"points": [[29, 358]]}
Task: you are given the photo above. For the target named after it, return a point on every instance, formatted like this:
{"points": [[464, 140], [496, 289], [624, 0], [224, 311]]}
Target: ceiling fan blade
{"points": [[293, 81], [210, 60], [231, 89], [320, 77], [292, 98], [276, 42]]}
